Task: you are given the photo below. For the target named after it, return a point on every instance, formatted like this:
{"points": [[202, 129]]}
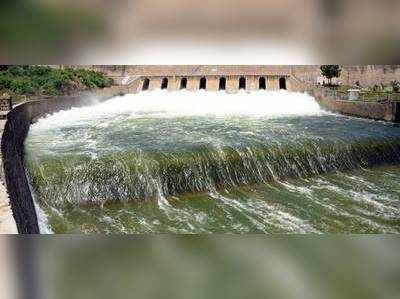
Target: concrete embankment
{"points": [[16, 129], [387, 111], [337, 102]]}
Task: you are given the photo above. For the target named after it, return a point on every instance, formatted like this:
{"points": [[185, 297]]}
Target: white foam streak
{"points": [[161, 103]]}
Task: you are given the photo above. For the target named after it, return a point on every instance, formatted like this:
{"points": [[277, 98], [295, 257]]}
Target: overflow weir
{"points": [[164, 171]]}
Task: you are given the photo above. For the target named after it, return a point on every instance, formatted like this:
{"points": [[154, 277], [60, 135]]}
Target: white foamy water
{"points": [[162, 103]]}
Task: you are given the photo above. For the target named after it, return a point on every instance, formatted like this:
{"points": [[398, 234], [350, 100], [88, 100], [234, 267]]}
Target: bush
{"points": [[395, 85], [330, 71], [16, 70], [93, 79], [48, 81], [22, 86], [5, 81], [39, 70]]}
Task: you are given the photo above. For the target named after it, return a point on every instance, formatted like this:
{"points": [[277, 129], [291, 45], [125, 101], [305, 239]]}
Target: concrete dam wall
{"points": [[229, 84], [365, 75]]}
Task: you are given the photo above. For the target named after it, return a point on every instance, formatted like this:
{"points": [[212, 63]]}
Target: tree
{"points": [[395, 85], [331, 71]]}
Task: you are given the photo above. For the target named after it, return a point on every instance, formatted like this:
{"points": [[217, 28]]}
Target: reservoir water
{"points": [[212, 162]]}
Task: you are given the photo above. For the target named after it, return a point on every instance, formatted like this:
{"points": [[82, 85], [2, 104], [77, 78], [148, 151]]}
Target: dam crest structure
{"points": [[229, 84]]}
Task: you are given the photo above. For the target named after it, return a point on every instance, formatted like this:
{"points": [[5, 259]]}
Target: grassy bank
{"points": [[20, 81]]}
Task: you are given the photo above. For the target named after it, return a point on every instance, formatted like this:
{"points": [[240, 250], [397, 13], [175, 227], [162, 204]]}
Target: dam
{"points": [[261, 161], [203, 150], [229, 84]]}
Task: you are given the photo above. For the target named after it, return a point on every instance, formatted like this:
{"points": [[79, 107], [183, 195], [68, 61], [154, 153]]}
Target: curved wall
{"points": [[16, 129]]}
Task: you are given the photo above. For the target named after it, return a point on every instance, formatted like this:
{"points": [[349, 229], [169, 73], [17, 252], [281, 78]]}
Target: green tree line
{"points": [[44, 80]]}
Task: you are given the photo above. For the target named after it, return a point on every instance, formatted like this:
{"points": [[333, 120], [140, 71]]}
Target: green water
{"points": [[147, 169], [364, 201]]}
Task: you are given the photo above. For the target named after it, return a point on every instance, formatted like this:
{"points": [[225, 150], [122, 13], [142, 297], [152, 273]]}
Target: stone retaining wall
{"points": [[5, 104]]}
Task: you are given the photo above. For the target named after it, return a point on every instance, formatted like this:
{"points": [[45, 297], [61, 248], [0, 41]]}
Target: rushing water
{"points": [[202, 162]]}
